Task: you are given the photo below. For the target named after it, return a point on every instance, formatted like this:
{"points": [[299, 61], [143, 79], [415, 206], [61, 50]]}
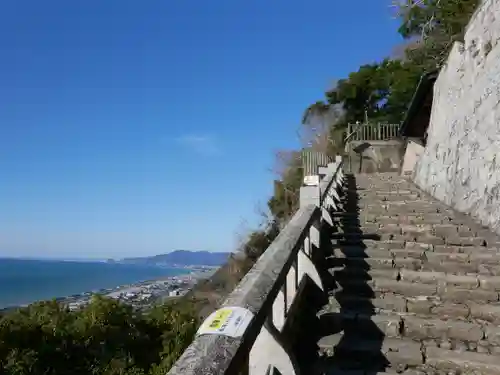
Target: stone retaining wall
{"points": [[461, 162]]}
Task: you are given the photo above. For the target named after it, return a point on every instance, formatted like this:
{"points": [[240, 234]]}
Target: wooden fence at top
{"points": [[372, 132]]}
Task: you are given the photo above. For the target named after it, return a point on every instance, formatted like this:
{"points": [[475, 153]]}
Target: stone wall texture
{"points": [[460, 165]]}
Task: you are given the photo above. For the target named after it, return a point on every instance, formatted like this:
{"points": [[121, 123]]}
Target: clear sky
{"points": [[134, 127]]}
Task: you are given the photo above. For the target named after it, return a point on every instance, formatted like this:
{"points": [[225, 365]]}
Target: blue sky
{"points": [[139, 127]]}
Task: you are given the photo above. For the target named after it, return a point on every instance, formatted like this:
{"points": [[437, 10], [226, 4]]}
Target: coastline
{"points": [[141, 294]]}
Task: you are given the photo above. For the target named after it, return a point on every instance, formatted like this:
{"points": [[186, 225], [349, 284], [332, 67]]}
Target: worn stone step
{"points": [[373, 198], [451, 249], [370, 243], [355, 245], [448, 361], [443, 279], [431, 239], [414, 256], [450, 230], [423, 306], [374, 287], [464, 255], [403, 208], [466, 241], [356, 237], [401, 325], [453, 231], [414, 203], [376, 252], [450, 267], [395, 351], [369, 263], [381, 185], [362, 325], [375, 195], [397, 208], [363, 183], [445, 292], [388, 261], [347, 276], [366, 305], [421, 329], [429, 218], [488, 269], [357, 366], [482, 253], [357, 228], [377, 192]]}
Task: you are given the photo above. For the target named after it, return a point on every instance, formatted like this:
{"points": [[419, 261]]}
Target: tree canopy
{"points": [[105, 337]]}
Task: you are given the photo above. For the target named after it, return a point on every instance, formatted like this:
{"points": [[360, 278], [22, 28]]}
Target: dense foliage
{"points": [[108, 337]]}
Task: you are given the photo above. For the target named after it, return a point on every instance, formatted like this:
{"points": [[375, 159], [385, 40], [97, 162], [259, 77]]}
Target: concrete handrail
{"points": [[243, 337]]}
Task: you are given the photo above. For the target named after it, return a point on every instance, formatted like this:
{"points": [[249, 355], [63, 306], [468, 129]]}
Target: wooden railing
{"points": [[372, 132], [245, 336]]}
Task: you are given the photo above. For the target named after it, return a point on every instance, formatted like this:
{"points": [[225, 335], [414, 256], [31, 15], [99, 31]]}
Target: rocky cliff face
{"points": [[461, 163]]}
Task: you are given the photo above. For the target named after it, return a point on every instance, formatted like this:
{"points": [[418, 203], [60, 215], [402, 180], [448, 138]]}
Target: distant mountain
{"points": [[182, 258]]}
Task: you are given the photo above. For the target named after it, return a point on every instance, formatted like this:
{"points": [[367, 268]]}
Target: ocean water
{"points": [[27, 281]]}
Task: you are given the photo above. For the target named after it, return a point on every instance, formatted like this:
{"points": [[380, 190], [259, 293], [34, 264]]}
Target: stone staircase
{"points": [[415, 286]]}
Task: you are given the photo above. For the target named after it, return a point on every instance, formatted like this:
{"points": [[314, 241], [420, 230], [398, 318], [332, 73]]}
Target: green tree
{"points": [[105, 337], [436, 25], [378, 91]]}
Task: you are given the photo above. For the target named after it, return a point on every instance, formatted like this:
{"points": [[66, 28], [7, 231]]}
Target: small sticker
{"points": [[228, 321]]}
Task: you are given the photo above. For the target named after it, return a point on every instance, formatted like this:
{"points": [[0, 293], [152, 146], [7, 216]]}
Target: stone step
{"points": [[374, 244], [447, 361], [422, 306], [415, 218], [448, 248], [375, 197], [384, 185], [359, 238], [402, 208], [351, 257], [403, 358], [407, 289], [465, 254], [382, 263], [441, 279], [386, 263], [439, 230], [409, 326], [389, 186], [388, 192], [397, 352], [346, 366], [376, 252], [438, 286]]}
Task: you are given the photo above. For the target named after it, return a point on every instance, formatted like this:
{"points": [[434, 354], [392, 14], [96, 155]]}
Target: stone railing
{"points": [[372, 132], [245, 336]]}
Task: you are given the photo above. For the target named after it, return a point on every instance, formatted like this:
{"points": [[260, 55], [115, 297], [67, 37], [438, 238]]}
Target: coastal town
{"points": [[146, 293]]}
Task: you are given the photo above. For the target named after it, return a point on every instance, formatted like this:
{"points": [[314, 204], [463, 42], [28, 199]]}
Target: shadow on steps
{"points": [[346, 337]]}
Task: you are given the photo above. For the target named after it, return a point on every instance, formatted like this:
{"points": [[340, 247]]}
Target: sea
{"points": [[26, 281]]}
